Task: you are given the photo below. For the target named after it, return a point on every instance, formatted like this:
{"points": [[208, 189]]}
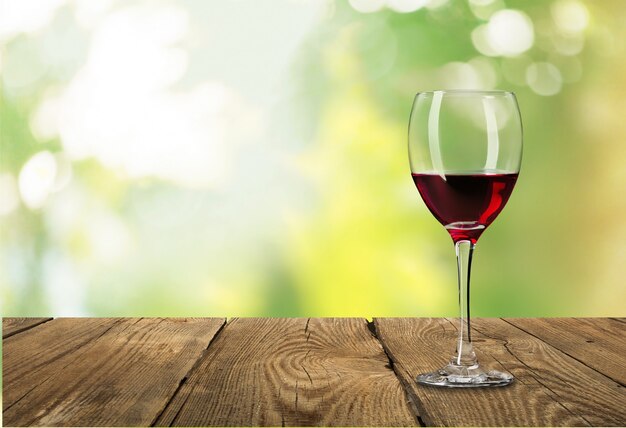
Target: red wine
{"points": [[466, 204]]}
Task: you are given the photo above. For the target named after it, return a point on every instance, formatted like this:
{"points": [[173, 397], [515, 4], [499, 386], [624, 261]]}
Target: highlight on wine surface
{"points": [[465, 150]]}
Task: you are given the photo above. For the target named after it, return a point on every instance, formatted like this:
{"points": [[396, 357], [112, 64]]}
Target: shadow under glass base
{"points": [[453, 376]]}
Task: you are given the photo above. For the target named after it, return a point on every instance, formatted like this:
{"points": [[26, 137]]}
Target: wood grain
{"points": [[599, 343], [292, 372], [104, 372], [551, 388], [30, 358], [11, 326], [304, 372], [596, 398]]}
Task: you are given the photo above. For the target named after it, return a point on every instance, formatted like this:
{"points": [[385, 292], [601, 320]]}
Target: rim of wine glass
{"points": [[465, 92]]}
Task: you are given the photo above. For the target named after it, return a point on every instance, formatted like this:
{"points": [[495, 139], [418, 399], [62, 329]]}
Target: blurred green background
{"points": [[181, 157]]}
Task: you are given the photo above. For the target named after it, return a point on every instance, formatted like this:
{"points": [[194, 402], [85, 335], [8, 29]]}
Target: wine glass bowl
{"points": [[465, 151]]}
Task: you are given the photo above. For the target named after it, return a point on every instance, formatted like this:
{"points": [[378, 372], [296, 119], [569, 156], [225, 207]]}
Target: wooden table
{"points": [[302, 372]]}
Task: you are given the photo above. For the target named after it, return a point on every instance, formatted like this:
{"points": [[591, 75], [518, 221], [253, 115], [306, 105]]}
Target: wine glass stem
{"points": [[464, 352]]}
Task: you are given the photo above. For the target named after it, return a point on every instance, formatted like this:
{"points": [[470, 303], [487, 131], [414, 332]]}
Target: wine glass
{"points": [[465, 150]]}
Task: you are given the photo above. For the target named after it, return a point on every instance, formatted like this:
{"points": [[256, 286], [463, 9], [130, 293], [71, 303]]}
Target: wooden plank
{"points": [[550, 389], [11, 326], [292, 372], [599, 343], [124, 375], [29, 358], [597, 399]]}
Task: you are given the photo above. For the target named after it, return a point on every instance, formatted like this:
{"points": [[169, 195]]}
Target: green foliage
{"points": [[309, 208]]}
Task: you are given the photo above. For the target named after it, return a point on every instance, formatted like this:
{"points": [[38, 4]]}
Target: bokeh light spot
{"points": [[460, 75], [367, 6], [483, 9], [478, 73], [37, 179], [510, 32], [570, 16], [568, 44], [481, 42], [406, 6], [544, 78]]}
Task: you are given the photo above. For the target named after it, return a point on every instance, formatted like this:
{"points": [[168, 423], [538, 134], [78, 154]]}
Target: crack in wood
{"points": [[282, 366], [307, 373], [452, 323], [26, 328], [304, 368], [180, 409], [520, 352], [306, 329], [414, 402], [186, 377]]}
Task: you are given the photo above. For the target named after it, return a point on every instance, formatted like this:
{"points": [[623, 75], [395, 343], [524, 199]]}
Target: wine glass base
{"points": [[453, 376]]}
